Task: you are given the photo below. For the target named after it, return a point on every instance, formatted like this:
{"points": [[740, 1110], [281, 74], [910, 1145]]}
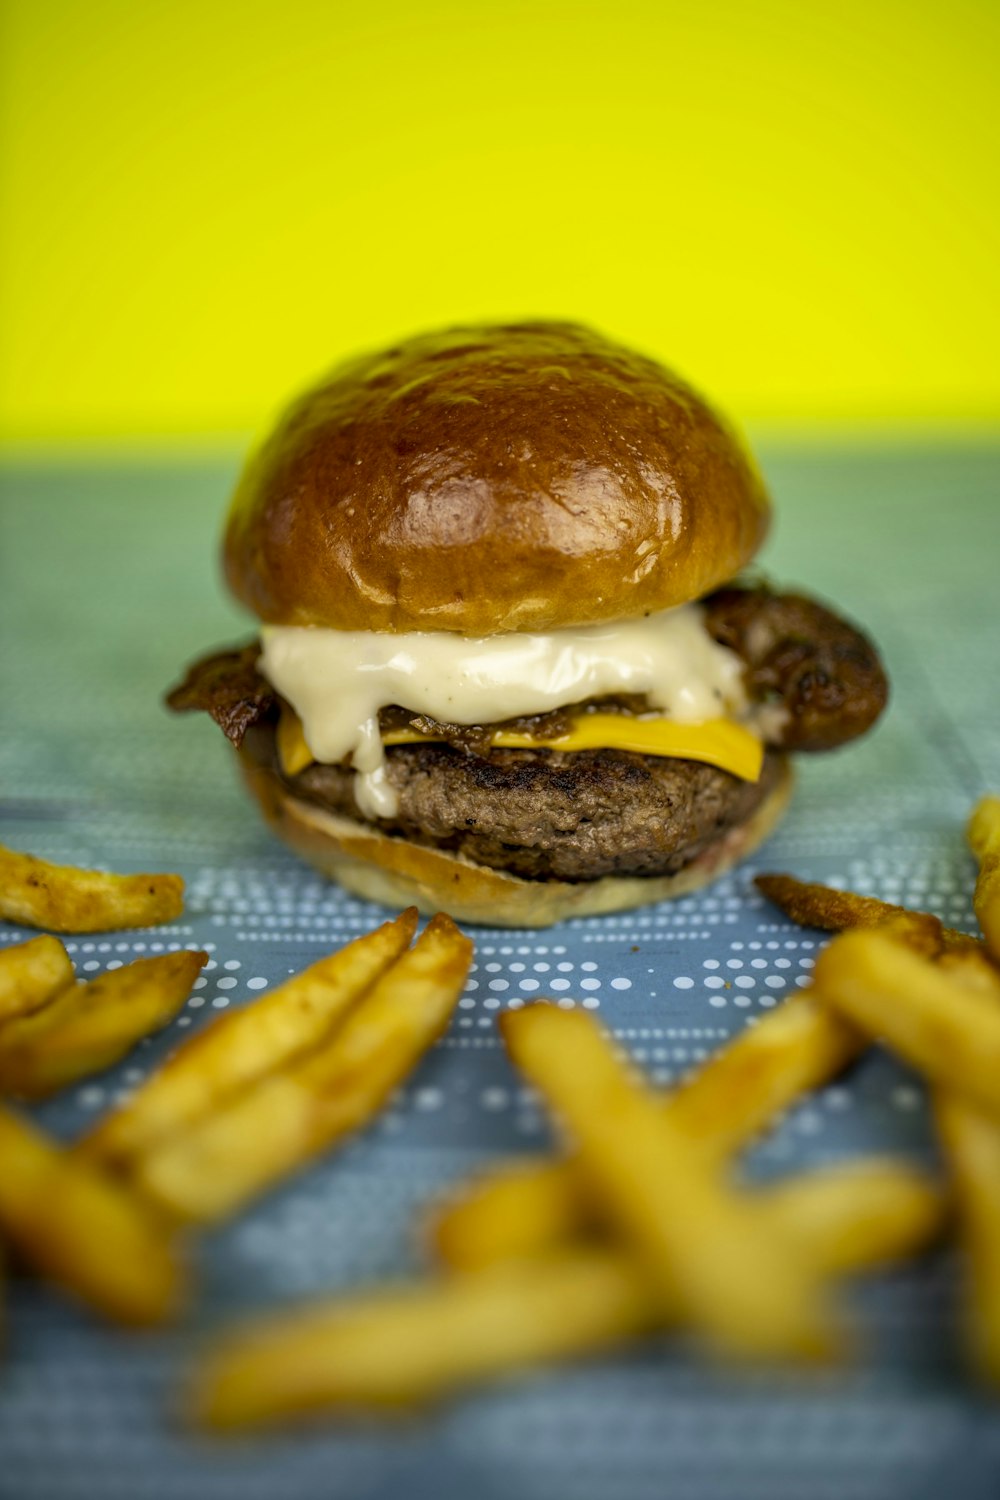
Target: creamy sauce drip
{"points": [[338, 680]]}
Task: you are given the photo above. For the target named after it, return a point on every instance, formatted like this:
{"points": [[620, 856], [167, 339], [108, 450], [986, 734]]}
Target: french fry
{"points": [[973, 967], [243, 1046], [408, 1345], [937, 1021], [744, 1285], [403, 1345], [521, 1208], [90, 1026], [972, 1144], [527, 1206], [65, 899], [857, 1214], [812, 905], [32, 974], [80, 1229], [984, 840], [228, 1157]]}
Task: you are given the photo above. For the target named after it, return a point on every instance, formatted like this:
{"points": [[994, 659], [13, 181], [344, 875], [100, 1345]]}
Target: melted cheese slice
{"points": [[337, 681], [719, 742]]}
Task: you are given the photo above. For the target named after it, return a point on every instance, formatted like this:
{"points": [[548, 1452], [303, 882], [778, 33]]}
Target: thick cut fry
{"points": [[403, 1345], [78, 1228], [857, 1214], [66, 899], [984, 840], [813, 905], [972, 1143], [936, 1021], [409, 1345], [974, 967], [743, 1284], [275, 1126], [528, 1206], [89, 1027], [238, 1048], [32, 974]]}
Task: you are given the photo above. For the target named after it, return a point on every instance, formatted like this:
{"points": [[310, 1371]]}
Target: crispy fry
{"points": [[530, 1205], [79, 1229], [813, 905], [32, 974], [738, 1280], [230, 1156], [65, 899], [858, 1214], [90, 1026], [406, 1345], [984, 840], [973, 967], [244, 1045], [402, 1345], [521, 1208], [972, 1143], [935, 1020], [742, 1087]]}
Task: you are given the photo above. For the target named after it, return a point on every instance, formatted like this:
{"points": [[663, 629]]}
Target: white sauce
{"points": [[337, 680]]}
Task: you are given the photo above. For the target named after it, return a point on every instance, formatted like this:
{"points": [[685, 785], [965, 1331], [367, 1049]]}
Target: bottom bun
{"points": [[388, 869]]}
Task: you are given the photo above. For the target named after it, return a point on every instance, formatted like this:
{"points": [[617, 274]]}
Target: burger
{"points": [[507, 665]]}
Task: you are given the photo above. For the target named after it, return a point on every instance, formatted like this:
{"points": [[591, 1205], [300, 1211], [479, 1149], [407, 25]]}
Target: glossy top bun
{"points": [[492, 479]]}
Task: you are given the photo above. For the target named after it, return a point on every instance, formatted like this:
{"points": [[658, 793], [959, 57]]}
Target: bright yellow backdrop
{"points": [[205, 203]]}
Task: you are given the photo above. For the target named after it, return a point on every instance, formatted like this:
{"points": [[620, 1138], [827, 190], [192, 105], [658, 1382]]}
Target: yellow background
{"points": [[206, 204]]}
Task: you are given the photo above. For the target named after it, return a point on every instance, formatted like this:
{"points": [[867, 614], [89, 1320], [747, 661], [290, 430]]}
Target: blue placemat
{"points": [[107, 587]]}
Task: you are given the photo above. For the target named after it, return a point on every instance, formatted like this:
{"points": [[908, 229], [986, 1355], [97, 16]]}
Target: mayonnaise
{"points": [[337, 680]]}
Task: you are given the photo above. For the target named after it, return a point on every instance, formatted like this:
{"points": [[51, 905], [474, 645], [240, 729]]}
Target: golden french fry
{"points": [[78, 1228], [32, 974], [738, 1280], [530, 1205], [402, 1345], [521, 1208], [89, 1027], [238, 1048], [813, 905], [837, 911], [228, 1157], [944, 1026], [406, 1345], [973, 966], [66, 899], [972, 1144], [857, 1214], [984, 840], [740, 1089]]}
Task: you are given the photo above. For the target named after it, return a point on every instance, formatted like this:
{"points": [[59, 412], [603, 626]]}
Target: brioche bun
{"points": [[492, 479], [383, 868]]}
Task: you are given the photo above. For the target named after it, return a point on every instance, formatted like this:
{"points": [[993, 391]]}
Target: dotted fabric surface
{"points": [[108, 589]]}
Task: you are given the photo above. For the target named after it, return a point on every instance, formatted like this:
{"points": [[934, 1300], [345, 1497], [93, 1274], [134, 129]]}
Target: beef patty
{"points": [[543, 814]]}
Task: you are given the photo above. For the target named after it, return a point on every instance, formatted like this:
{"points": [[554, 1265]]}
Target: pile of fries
{"points": [[238, 1107], [641, 1226]]}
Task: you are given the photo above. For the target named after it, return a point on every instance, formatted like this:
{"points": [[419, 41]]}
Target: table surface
{"points": [[108, 586]]}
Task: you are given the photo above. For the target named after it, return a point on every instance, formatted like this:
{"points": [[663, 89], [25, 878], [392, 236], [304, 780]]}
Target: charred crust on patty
{"points": [[819, 668]]}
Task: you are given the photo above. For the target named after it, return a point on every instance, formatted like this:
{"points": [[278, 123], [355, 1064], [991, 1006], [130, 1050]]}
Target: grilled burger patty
{"points": [[578, 816], [544, 814]]}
